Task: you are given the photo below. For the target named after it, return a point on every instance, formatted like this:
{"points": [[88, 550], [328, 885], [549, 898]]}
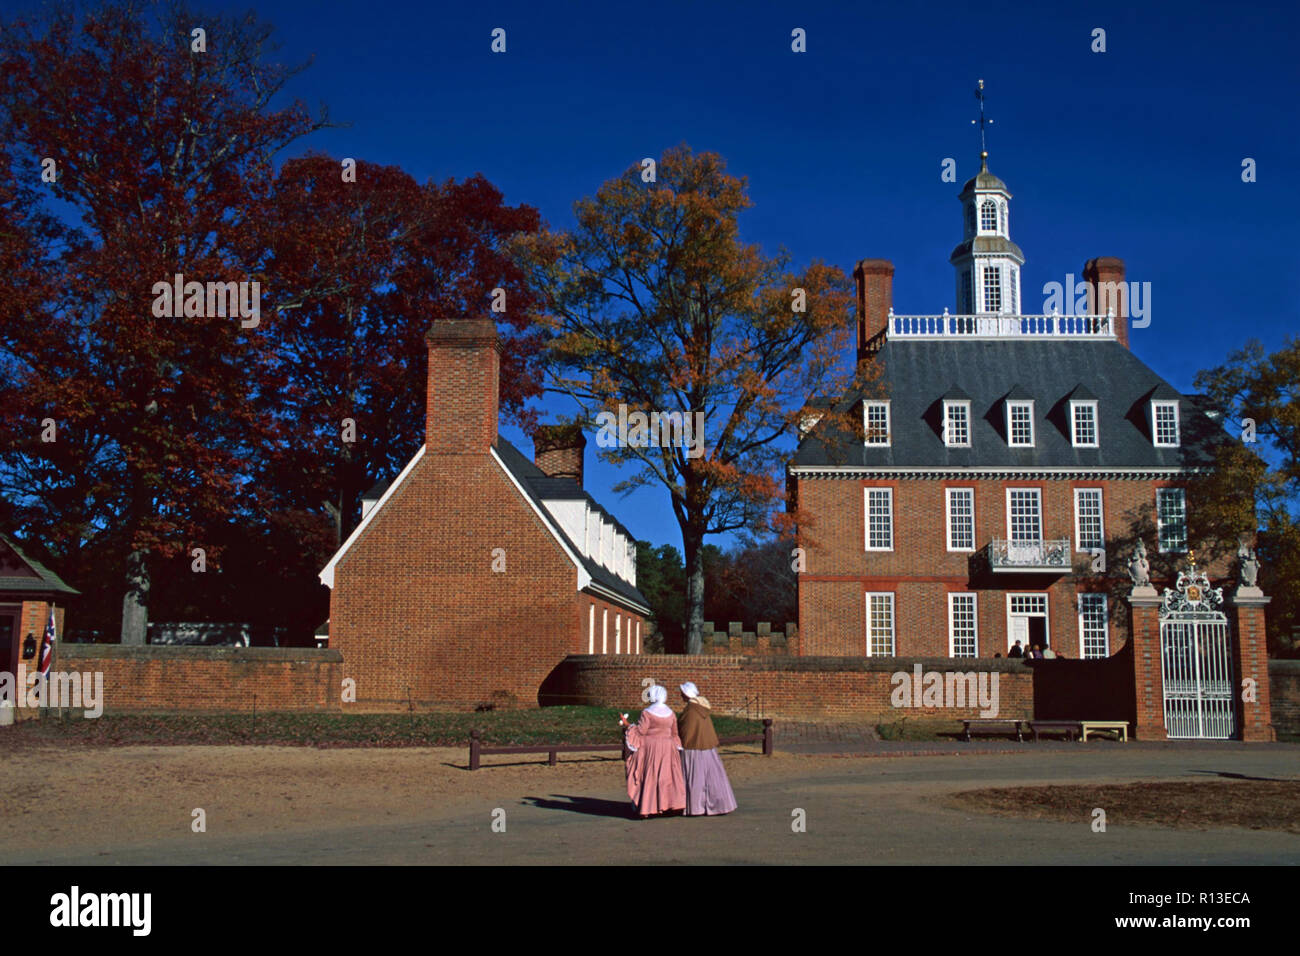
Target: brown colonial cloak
{"points": [[695, 727]]}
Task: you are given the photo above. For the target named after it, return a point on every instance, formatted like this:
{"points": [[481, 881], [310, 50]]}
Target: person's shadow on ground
{"points": [[589, 805]]}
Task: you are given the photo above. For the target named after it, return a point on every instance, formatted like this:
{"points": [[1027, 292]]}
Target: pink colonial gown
{"points": [[655, 782]]}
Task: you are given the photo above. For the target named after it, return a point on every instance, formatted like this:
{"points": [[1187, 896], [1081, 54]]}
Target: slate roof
{"points": [[917, 374], [540, 487], [44, 582]]}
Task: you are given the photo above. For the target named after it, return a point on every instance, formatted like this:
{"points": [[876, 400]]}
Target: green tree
{"points": [[1256, 485]]}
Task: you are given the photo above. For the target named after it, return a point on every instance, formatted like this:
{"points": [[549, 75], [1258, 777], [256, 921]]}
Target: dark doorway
{"points": [[1038, 631], [8, 639]]}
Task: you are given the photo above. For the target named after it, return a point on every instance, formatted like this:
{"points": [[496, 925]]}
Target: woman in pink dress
{"points": [[655, 782]]}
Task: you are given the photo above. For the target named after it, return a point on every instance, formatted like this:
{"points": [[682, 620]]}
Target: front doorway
{"points": [[1027, 621], [9, 643]]}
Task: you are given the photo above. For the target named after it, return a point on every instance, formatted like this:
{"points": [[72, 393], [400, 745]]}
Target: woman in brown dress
{"points": [[708, 792]]}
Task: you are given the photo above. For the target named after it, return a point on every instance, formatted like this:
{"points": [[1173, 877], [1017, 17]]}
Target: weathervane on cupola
{"points": [[984, 150], [987, 262]]}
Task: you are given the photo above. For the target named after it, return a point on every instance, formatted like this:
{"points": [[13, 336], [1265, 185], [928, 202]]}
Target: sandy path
{"points": [[89, 797]]}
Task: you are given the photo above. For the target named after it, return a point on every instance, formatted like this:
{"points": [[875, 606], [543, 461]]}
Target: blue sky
{"points": [[1135, 152]]}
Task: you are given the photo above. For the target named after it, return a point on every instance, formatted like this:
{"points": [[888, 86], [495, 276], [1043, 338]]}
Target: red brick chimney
{"points": [[1106, 291], [557, 450], [875, 279], [464, 376]]}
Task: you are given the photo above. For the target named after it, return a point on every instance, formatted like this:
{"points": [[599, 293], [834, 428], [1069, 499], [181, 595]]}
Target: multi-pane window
{"points": [[1166, 423], [880, 519], [1084, 418], [961, 625], [1020, 424], [877, 422], [970, 220], [880, 625], [1171, 519], [1024, 514], [1088, 532], [956, 424], [1094, 634], [1015, 290], [961, 519], [967, 291], [992, 289], [989, 216], [1028, 604]]}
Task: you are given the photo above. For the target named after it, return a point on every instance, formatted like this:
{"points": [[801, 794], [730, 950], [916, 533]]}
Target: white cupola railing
{"points": [[997, 326]]}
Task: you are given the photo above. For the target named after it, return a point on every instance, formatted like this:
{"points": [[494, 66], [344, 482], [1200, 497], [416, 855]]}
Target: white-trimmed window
{"points": [[875, 422], [1171, 519], [961, 519], [880, 519], [604, 631], [962, 626], [1165, 421], [992, 289], [1020, 424], [989, 216], [1024, 514], [880, 624], [1083, 424], [956, 424], [1094, 628], [1089, 533], [591, 630], [967, 289]]}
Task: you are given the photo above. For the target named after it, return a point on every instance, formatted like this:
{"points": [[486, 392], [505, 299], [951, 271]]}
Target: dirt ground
{"points": [[299, 805], [85, 796]]}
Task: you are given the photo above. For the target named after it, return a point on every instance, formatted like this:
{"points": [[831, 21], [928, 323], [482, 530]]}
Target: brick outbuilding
{"points": [[475, 572]]}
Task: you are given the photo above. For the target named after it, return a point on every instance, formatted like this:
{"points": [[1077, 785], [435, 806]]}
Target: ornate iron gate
{"points": [[1196, 660]]}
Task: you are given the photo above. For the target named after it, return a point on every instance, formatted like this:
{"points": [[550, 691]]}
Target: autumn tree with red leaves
{"points": [[358, 268], [157, 145], [656, 304]]}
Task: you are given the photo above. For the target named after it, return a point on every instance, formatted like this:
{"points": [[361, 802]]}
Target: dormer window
{"points": [[956, 424], [875, 422], [1164, 417], [989, 216], [1083, 424], [1020, 424]]}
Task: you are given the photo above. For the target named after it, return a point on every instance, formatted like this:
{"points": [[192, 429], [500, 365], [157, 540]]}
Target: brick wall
{"points": [[209, 678], [921, 572], [1284, 688], [761, 642], [791, 688], [419, 613]]}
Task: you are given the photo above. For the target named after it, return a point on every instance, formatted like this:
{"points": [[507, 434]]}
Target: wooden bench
{"points": [[987, 724], [1121, 726], [1080, 728]]}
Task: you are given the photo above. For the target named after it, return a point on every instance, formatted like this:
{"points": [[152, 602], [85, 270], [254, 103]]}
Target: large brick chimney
{"points": [[464, 376], [875, 279], [557, 450], [1104, 277]]}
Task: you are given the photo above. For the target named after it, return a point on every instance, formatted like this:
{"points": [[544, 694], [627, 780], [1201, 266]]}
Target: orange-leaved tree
{"points": [[696, 355]]}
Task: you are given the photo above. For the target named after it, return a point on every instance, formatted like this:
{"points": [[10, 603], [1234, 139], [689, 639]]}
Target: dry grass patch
{"points": [[1194, 805]]}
